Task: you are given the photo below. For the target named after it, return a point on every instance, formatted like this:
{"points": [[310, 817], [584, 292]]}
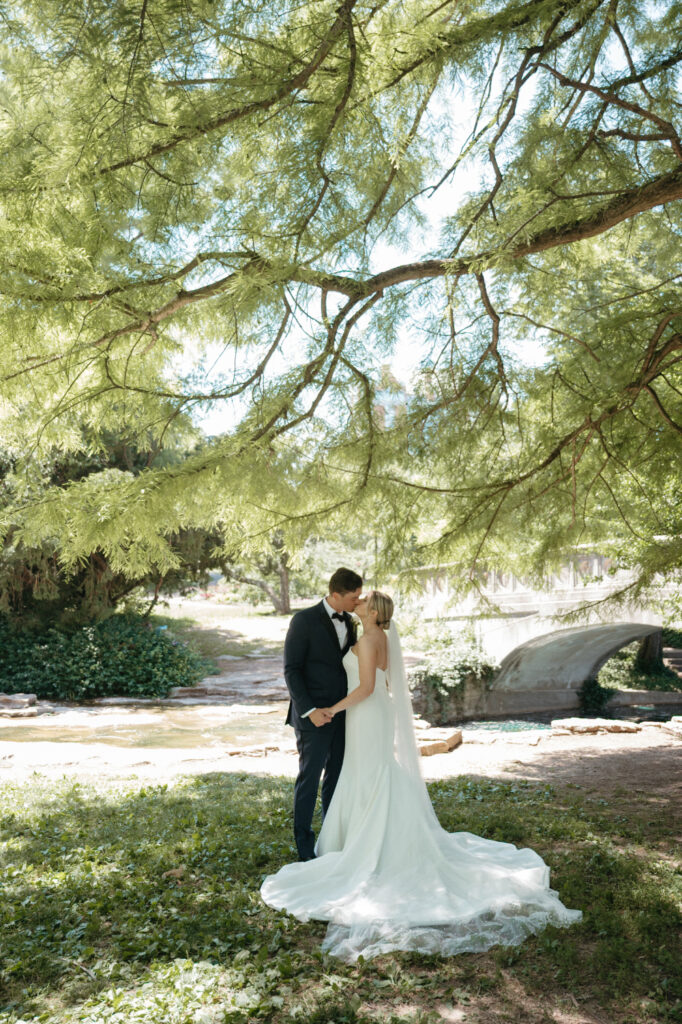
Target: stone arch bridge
{"points": [[546, 672]]}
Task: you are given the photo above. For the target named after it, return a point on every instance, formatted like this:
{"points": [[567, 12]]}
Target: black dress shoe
{"points": [[309, 856]]}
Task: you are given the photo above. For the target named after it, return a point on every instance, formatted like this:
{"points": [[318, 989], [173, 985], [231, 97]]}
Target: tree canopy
{"points": [[306, 185], [38, 590]]}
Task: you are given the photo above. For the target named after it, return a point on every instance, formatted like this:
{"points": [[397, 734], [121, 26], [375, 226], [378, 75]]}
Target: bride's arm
{"points": [[367, 665]]}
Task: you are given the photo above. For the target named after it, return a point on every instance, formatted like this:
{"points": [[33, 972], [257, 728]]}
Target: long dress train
{"points": [[388, 877]]}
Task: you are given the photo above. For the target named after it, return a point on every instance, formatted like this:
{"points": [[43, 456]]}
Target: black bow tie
{"points": [[336, 615]]}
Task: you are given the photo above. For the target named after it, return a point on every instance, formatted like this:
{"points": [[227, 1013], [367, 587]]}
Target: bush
{"points": [[122, 656], [672, 637], [594, 697], [451, 664]]}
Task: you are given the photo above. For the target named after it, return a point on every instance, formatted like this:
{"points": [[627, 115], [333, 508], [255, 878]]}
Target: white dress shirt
{"points": [[341, 632], [338, 624]]}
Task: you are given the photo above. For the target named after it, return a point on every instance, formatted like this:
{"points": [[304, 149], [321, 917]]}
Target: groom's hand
{"points": [[320, 717]]}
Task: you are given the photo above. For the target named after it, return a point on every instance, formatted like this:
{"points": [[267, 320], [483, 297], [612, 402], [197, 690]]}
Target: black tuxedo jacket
{"points": [[313, 669]]}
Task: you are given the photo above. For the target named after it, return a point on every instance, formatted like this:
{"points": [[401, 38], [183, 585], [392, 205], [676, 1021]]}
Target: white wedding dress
{"points": [[387, 876]]}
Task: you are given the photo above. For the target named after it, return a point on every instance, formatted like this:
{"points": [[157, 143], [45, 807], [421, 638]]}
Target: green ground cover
{"points": [[124, 902], [621, 672]]}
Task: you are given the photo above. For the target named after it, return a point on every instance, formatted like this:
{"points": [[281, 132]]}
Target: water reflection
{"points": [[220, 726]]}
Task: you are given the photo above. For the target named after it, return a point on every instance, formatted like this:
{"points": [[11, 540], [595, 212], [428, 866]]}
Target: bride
{"points": [[386, 876]]}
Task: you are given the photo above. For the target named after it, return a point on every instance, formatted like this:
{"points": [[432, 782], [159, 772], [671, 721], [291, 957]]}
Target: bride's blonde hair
{"points": [[382, 604]]}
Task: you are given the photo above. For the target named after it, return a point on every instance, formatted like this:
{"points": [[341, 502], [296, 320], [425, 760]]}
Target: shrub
{"points": [[594, 697], [122, 656], [672, 637], [451, 664]]}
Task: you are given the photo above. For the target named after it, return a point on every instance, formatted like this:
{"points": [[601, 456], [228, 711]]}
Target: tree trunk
{"points": [[284, 594], [155, 598], [252, 581]]}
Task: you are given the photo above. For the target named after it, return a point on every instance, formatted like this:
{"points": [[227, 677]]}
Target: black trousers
{"points": [[319, 750]]}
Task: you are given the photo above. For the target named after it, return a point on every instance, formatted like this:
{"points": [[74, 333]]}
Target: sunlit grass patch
{"points": [[212, 633]]}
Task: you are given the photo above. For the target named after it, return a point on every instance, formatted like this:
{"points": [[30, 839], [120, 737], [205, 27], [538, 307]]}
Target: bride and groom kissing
{"points": [[383, 873]]}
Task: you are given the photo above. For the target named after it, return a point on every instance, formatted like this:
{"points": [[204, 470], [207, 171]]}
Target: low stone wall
{"points": [[500, 704], [475, 701], [627, 698], [468, 701]]}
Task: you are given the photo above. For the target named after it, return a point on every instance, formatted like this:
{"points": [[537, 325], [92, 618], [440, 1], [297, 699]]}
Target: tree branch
{"points": [[291, 85], [608, 96], [659, 405]]}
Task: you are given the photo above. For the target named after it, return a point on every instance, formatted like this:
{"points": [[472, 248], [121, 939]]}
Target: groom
{"points": [[316, 642]]}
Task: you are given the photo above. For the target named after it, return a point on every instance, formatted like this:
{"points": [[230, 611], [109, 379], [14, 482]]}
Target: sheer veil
{"points": [[405, 742]]}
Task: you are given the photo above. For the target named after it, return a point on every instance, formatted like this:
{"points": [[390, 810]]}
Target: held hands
{"points": [[321, 716]]}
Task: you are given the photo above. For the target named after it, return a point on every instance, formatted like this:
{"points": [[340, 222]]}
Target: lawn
{"points": [[126, 903], [213, 627]]}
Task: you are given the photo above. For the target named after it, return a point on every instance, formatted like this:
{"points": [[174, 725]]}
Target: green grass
{"points": [[91, 928], [212, 640]]}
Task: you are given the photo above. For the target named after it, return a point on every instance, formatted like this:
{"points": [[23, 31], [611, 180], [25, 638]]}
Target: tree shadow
{"points": [[212, 641], [102, 885], [651, 775], [86, 876]]}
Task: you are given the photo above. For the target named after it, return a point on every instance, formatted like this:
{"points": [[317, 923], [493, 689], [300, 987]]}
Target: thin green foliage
{"points": [[247, 206], [452, 664]]}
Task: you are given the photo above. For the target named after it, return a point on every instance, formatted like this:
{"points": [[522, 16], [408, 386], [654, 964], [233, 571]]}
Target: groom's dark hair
{"points": [[343, 581]]}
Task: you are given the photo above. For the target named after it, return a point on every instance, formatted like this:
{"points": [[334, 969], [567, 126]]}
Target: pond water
{"points": [[508, 725], [211, 726], [183, 728]]}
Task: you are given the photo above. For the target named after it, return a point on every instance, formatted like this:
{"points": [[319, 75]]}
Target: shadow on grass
{"points": [[106, 890], [645, 776]]}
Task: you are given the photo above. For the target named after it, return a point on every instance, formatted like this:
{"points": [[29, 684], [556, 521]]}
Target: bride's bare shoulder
{"points": [[366, 643], [372, 642]]}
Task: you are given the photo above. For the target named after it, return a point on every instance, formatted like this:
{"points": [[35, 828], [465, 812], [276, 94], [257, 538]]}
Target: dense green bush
{"points": [[594, 697], [122, 656], [672, 637], [450, 663]]}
